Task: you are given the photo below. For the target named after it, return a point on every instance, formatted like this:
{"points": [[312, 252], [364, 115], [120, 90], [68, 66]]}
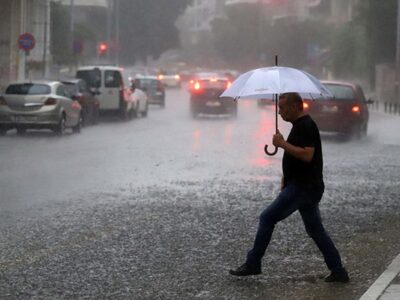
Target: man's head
{"points": [[290, 106]]}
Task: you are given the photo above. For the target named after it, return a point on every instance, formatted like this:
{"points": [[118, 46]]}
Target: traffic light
{"points": [[102, 48]]}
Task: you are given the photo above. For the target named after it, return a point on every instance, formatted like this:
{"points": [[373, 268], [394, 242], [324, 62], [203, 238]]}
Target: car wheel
{"points": [[145, 112], [134, 112], [96, 114], [21, 131], [124, 113], [364, 130], [78, 127], [3, 131], [60, 128], [357, 132]]}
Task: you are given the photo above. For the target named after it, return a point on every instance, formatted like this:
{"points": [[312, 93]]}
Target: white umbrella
{"points": [[272, 81], [266, 82]]}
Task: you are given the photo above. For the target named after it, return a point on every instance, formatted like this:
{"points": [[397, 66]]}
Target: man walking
{"points": [[301, 189]]}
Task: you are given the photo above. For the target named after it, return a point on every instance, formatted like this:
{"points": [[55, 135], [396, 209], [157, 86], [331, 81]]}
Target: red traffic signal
{"points": [[102, 48]]}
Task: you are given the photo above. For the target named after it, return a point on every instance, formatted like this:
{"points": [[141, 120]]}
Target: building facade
{"points": [[16, 18]]}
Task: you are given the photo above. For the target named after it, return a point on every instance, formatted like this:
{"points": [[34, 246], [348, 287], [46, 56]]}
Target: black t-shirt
{"points": [[304, 133]]}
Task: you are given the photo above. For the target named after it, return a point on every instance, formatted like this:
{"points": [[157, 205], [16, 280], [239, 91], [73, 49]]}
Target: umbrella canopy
{"points": [[266, 82]]}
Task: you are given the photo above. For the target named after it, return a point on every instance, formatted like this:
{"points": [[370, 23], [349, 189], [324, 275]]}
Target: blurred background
{"points": [[332, 39]]}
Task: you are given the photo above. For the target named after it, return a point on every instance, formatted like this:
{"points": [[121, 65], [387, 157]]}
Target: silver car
{"points": [[38, 105]]}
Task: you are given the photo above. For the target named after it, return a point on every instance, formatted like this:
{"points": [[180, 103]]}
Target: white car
{"points": [[170, 79], [39, 105], [141, 102], [113, 88]]}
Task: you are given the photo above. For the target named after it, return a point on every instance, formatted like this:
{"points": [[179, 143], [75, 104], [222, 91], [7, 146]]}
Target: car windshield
{"points": [[340, 92], [28, 89], [148, 82], [92, 77], [71, 89]]}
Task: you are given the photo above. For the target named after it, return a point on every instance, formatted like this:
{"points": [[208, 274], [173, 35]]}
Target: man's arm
{"points": [[305, 154]]}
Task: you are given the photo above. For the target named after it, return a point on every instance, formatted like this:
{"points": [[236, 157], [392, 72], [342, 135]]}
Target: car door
{"points": [[71, 108], [113, 87]]}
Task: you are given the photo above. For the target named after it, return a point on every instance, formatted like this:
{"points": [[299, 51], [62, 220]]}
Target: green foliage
{"points": [[61, 38], [379, 21], [246, 38], [60, 43], [147, 28], [236, 37], [349, 52]]}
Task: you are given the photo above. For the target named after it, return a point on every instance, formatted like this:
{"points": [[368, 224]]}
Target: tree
{"points": [[60, 43], [147, 28], [245, 38], [379, 19], [236, 36], [349, 52]]}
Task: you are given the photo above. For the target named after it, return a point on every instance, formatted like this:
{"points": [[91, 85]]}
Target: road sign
{"points": [[77, 47], [26, 41]]}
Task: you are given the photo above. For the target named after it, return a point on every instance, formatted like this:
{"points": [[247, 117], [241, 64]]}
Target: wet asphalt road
{"points": [[161, 207]]}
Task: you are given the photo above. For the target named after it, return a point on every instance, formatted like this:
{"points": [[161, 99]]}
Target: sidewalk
{"points": [[387, 286]]}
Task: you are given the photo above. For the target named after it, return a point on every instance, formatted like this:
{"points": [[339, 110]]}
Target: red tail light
{"points": [[305, 105], [228, 85], [355, 109], [3, 101], [50, 101], [75, 104], [77, 97], [197, 86]]}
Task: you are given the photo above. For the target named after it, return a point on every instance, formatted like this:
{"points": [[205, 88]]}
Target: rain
{"points": [[160, 201]]}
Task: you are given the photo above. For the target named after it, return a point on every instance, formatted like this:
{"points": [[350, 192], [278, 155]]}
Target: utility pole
{"points": [[72, 18], [117, 25], [397, 74], [109, 26], [45, 29]]}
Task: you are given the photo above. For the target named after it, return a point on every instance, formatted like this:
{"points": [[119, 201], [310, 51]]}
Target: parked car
{"points": [[113, 87], [39, 105], [204, 95], [170, 78], [140, 100], [153, 87], [79, 91], [346, 113]]}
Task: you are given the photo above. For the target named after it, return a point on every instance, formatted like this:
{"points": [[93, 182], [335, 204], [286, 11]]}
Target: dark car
{"points": [[79, 91], [346, 113], [153, 87], [205, 90]]}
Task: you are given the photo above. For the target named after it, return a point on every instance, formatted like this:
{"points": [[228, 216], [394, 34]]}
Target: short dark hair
{"points": [[293, 99]]}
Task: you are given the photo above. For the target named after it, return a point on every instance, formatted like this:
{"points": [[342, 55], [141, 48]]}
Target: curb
{"points": [[383, 281]]}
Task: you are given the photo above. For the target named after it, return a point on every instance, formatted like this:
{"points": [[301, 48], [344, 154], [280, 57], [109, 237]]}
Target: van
{"points": [[112, 86]]}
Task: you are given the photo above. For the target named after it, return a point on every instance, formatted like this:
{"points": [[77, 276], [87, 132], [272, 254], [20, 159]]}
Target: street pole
{"points": [[72, 18], [45, 28], [117, 45], [397, 74], [109, 26]]}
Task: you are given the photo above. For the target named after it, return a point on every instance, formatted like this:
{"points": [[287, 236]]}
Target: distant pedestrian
{"points": [[302, 187]]}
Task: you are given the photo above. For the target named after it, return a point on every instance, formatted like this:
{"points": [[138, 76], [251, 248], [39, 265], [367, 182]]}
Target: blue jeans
{"points": [[290, 199]]}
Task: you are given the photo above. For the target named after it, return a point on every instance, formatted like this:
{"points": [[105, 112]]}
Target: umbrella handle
{"points": [[270, 153]]}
